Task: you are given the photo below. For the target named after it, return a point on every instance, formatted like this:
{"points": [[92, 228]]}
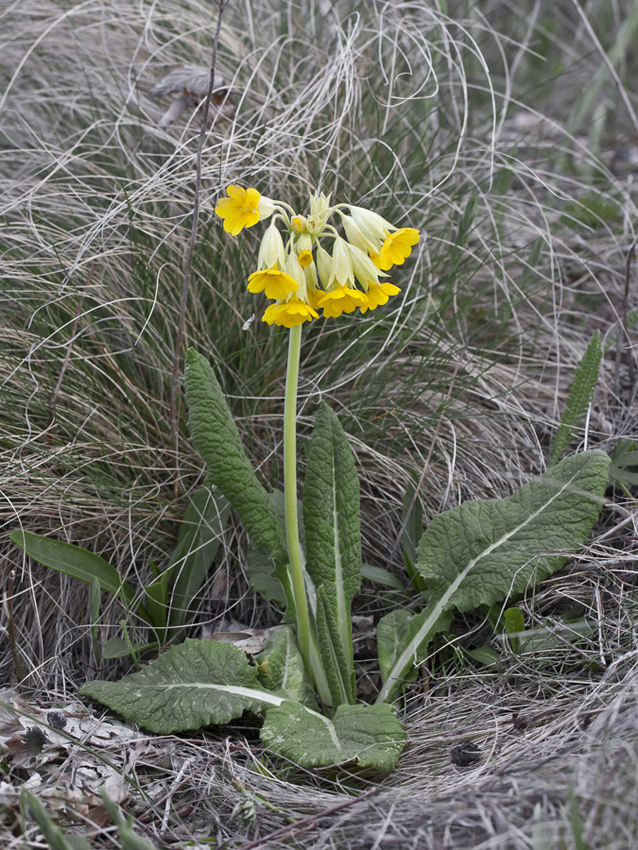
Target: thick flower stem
{"points": [[290, 491]]}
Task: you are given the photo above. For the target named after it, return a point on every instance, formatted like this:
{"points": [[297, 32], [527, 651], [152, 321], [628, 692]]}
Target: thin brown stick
{"points": [[174, 407], [307, 822]]}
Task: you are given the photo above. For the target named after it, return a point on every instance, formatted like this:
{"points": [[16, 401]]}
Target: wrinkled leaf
{"points": [[216, 437], [195, 684], [337, 665], [331, 512], [281, 669], [486, 550], [200, 535], [370, 736]]}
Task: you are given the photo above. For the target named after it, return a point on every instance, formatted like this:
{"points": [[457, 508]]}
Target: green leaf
{"points": [[129, 838], [216, 437], [281, 668], [199, 538], [77, 562], [624, 454], [484, 654], [486, 550], [370, 736], [263, 576], [337, 665], [578, 400], [55, 837], [514, 623], [332, 521], [194, 684], [117, 647], [412, 521], [157, 600], [380, 575], [270, 579], [397, 630]]}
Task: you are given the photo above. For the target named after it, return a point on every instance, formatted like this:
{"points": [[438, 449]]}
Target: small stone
{"points": [[56, 719], [465, 754]]}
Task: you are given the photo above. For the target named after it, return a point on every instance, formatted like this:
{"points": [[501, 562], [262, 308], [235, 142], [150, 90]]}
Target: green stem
{"points": [[290, 492]]}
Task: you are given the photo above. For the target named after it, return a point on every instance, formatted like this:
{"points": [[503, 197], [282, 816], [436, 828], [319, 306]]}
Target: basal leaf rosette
{"points": [[306, 264]]}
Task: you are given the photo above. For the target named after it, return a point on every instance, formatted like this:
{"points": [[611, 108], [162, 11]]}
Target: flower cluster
{"points": [[298, 272]]}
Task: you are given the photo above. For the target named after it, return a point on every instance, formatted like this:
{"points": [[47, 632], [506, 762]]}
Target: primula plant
{"points": [[303, 683]]}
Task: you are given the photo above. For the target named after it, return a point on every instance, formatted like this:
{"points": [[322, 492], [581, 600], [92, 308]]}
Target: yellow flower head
{"points": [[342, 299], [396, 248], [276, 284], [378, 294], [242, 208], [289, 313]]}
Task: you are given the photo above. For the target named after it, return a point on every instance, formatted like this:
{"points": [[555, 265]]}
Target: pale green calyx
{"points": [[271, 250]]}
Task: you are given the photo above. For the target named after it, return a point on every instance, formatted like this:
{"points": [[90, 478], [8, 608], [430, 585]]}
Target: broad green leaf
{"points": [[78, 563], [337, 665], [332, 520], [578, 399], [195, 684], [370, 736], [486, 550], [380, 575], [216, 437], [280, 668], [199, 538], [396, 630]]}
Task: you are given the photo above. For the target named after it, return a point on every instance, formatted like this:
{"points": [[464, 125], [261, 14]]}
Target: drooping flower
{"points": [[378, 294], [342, 299], [305, 258], [396, 248], [289, 313], [242, 208], [275, 283]]}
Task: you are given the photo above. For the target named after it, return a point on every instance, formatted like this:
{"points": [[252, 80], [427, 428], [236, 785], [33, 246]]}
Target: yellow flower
{"points": [[275, 283], [378, 293], [396, 248], [305, 258], [343, 299], [241, 209], [290, 313]]}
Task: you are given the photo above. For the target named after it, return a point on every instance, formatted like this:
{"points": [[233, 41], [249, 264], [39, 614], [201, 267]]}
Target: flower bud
{"points": [[271, 250], [364, 269], [373, 226], [324, 266], [342, 271]]}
